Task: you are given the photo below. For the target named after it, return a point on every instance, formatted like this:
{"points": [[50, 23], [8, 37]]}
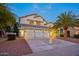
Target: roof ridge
{"points": [[29, 15], [36, 15]]}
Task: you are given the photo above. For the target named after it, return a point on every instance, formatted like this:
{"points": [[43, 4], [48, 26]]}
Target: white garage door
{"points": [[36, 34], [29, 34], [39, 34]]}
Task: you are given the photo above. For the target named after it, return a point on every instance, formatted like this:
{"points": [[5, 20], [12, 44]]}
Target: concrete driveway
{"points": [[41, 47]]}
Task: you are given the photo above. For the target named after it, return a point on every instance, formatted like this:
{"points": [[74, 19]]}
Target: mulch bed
{"points": [[18, 47]]}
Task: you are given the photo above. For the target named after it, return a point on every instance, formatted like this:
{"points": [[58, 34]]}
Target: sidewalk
{"points": [[74, 40]]}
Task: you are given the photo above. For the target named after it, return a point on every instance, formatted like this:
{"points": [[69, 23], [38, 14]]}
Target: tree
{"points": [[16, 30], [7, 18], [66, 20]]}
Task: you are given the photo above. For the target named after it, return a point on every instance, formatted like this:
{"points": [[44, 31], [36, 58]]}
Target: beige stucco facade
{"points": [[34, 27], [72, 31]]}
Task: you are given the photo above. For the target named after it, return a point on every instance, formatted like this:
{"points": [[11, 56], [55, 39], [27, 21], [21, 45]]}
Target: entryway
{"points": [[68, 33]]}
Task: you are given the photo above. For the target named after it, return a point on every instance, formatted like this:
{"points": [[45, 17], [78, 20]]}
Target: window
{"points": [[46, 30], [77, 32], [31, 22], [42, 31], [38, 23], [34, 30], [61, 31], [50, 25]]}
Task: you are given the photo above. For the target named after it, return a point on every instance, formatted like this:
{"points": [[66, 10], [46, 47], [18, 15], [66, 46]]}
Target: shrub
{"points": [[76, 36], [16, 30], [61, 35]]}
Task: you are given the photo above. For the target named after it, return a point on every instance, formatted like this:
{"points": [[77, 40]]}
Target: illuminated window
{"points": [[77, 32], [31, 22], [61, 31], [46, 30], [42, 30], [38, 23], [50, 25], [34, 30], [44, 23]]}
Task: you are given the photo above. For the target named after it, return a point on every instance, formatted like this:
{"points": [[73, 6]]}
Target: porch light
{"points": [[21, 33]]}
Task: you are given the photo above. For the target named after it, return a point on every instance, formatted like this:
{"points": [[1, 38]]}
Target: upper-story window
{"points": [[61, 31], [31, 22], [50, 25], [38, 22]]}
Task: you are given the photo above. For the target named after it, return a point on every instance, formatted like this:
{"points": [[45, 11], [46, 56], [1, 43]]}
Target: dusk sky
{"points": [[49, 11]]}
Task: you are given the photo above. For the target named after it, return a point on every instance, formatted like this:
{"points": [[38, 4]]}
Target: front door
{"points": [[68, 33]]}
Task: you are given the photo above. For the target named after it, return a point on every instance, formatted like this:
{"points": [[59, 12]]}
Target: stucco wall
{"points": [[25, 20], [72, 31]]}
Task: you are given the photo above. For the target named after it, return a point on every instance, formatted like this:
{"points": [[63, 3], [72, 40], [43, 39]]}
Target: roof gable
{"points": [[33, 17]]}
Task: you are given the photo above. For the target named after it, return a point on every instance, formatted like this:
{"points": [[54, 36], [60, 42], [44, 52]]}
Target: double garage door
{"points": [[36, 34]]}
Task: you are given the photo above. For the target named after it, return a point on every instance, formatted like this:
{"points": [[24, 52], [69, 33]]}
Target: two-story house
{"points": [[34, 26]]}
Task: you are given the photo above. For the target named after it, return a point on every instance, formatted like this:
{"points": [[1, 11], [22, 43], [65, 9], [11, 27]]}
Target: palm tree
{"points": [[76, 22], [66, 20]]}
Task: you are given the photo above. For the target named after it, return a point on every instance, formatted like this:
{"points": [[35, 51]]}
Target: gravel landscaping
{"points": [[16, 47]]}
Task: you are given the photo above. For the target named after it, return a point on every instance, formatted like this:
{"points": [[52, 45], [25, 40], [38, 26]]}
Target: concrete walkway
{"points": [[60, 47]]}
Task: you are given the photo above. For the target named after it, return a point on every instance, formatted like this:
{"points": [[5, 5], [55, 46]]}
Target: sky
{"points": [[49, 11]]}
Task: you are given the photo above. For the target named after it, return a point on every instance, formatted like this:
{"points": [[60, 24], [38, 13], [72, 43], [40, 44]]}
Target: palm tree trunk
{"points": [[65, 34]]}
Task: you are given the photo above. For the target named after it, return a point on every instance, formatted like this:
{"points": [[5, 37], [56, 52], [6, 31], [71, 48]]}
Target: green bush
{"points": [[76, 36], [61, 35], [16, 30]]}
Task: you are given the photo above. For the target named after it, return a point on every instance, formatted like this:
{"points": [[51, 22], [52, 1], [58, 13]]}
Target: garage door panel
{"points": [[36, 34], [46, 35], [39, 34], [30, 34]]}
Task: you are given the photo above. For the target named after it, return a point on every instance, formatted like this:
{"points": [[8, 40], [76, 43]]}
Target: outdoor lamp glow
{"points": [[21, 33], [52, 36]]}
